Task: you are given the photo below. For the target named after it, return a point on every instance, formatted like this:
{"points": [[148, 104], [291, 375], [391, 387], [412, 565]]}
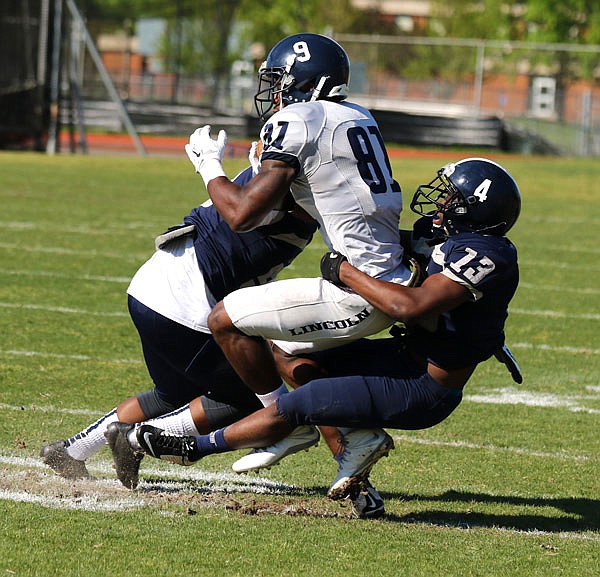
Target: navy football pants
{"points": [[185, 364], [392, 390]]}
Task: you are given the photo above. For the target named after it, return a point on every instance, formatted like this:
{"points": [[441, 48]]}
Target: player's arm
{"points": [[243, 207], [437, 294]]}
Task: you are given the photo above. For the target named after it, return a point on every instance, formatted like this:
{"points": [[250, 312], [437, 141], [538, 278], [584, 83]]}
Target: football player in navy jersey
{"points": [[449, 324], [195, 389], [195, 265]]}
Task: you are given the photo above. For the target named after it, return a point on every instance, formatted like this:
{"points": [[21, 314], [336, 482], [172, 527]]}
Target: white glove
{"points": [[206, 154], [254, 156]]}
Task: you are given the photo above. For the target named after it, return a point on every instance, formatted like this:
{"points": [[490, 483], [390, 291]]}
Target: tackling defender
{"points": [[169, 299]]}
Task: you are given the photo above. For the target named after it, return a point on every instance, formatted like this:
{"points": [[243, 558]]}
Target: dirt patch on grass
{"points": [[29, 481]]}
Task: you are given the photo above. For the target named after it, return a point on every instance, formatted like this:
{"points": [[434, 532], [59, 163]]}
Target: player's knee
{"points": [[219, 321], [296, 370]]}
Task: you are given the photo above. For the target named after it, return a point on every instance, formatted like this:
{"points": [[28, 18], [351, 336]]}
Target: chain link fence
{"points": [[544, 91], [551, 90]]}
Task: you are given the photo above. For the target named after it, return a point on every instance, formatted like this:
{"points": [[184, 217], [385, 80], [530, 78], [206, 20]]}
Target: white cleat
{"points": [[362, 449], [301, 438]]}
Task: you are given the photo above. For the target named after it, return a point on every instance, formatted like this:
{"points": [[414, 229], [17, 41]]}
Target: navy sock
{"points": [[209, 444]]}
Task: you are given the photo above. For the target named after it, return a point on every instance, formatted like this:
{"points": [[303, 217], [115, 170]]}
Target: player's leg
{"points": [[379, 400], [308, 314], [169, 349], [297, 370]]}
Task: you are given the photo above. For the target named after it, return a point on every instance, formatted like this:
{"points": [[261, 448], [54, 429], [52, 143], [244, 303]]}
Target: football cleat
{"points": [[56, 457], [362, 449], [301, 438], [173, 448], [366, 501], [126, 460]]}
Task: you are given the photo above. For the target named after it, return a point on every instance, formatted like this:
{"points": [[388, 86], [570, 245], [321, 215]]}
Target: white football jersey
{"points": [[343, 181]]}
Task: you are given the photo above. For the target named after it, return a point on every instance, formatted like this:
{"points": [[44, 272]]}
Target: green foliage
{"points": [[470, 19], [546, 21], [557, 21], [563, 20]]}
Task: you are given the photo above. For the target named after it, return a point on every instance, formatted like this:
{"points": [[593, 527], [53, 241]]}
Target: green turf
{"points": [[508, 485]]}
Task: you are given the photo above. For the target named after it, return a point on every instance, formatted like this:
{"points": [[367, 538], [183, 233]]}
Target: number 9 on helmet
{"points": [[301, 68]]}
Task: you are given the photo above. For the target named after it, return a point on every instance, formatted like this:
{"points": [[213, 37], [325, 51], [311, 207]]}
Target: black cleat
{"points": [[173, 448], [126, 460], [367, 503], [56, 457]]}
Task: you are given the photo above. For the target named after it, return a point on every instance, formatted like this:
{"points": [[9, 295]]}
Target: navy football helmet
{"points": [[474, 194], [300, 68]]}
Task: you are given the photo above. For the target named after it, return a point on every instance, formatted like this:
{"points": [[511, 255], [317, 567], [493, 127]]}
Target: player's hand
{"points": [[254, 155], [206, 153], [330, 267]]}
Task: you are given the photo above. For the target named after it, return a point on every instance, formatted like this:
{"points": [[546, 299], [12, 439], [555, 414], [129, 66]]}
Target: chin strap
{"points": [[317, 91]]}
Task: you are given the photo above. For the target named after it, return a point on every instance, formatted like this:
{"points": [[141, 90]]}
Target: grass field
{"points": [[508, 485]]}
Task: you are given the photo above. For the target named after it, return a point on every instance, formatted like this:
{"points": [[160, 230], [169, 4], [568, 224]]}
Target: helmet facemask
{"points": [[474, 195], [440, 196], [272, 81]]}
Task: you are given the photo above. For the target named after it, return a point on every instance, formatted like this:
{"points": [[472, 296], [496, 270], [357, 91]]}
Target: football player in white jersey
{"points": [[330, 154]]}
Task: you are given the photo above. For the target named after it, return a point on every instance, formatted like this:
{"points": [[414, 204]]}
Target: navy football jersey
{"points": [[229, 260], [471, 333]]}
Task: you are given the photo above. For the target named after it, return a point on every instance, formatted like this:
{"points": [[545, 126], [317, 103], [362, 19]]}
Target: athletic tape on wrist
{"points": [[211, 168]]}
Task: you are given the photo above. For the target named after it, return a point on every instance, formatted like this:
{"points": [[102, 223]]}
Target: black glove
{"points": [[330, 267]]}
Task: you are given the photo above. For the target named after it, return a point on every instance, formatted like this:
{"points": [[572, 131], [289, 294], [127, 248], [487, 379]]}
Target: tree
{"points": [[545, 21]]}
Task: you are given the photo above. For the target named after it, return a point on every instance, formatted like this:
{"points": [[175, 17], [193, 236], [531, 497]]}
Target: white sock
{"points": [[178, 422], [89, 441], [269, 398]]}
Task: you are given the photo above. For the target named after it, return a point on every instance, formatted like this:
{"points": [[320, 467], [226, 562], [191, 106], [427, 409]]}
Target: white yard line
{"points": [[555, 314], [168, 475], [556, 349], [560, 289], [81, 229], [123, 280], [561, 455], [106, 495], [28, 353], [129, 257], [494, 398], [512, 396], [91, 502], [552, 264], [52, 274], [65, 310], [21, 353]]}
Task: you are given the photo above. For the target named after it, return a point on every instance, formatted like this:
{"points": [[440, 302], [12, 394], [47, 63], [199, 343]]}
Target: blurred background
{"points": [[508, 75]]}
